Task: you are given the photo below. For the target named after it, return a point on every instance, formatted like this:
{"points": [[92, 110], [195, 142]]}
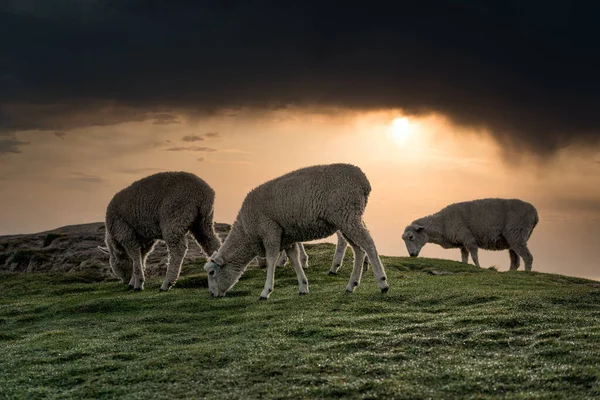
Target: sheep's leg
{"points": [[365, 263], [340, 252], [294, 256], [177, 250], [262, 262], [137, 278], [272, 245], [302, 256], [145, 249], [524, 252], [464, 253], [359, 255], [473, 250], [282, 259], [357, 233], [270, 281], [515, 261]]}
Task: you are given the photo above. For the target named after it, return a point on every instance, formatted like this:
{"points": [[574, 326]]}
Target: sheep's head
{"points": [[119, 262], [222, 275], [415, 238]]}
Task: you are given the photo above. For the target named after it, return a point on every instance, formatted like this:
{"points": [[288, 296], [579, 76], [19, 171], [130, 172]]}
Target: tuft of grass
{"points": [[445, 330]]}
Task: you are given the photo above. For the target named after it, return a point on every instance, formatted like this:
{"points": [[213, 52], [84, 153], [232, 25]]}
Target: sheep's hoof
{"points": [[263, 298], [348, 291], [137, 289], [385, 289], [330, 273], [303, 293], [163, 290]]}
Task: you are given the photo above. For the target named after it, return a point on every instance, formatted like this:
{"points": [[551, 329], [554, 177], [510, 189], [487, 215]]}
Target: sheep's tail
{"points": [[203, 230], [365, 187], [536, 219]]}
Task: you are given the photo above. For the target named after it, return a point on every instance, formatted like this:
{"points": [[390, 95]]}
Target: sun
{"points": [[401, 130]]}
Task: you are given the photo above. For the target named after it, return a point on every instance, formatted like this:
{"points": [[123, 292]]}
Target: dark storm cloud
{"points": [[60, 135], [527, 70]]}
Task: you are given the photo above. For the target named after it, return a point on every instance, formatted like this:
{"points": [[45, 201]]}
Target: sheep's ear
{"points": [[217, 259], [104, 250], [418, 228]]}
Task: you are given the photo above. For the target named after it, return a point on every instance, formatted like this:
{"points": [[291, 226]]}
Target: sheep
{"points": [[163, 206], [306, 204], [491, 224], [340, 252]]}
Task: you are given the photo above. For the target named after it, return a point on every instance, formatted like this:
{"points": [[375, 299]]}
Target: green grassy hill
{"points": [[444, 330]]}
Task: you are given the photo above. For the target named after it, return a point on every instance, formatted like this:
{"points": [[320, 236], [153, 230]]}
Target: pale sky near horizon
{"points": [[416, 166]]}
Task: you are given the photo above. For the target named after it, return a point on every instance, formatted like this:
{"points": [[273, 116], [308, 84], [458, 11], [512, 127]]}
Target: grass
{"points": [[445, 330]]}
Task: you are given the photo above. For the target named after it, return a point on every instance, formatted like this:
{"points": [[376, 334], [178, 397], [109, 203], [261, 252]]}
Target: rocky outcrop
{"points": [[73, 248]]}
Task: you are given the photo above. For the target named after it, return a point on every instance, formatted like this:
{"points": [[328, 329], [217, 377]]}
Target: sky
{"points": [[437, 102]]}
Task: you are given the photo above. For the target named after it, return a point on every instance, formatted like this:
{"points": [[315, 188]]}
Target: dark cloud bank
{"points": [[527, 70]]}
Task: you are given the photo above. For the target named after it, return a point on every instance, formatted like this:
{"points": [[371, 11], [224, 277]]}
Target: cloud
{"points": [[212, 134], [229, 162], [137, 171], [192, 138], [161, 144], [165, 119], [192, 148], [524, 71], [86, 178], [200, 159], [60, 135], [11, 145], [234, 151]]}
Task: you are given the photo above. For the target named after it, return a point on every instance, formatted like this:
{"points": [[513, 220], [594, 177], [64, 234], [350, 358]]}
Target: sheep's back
{"points": [[305, 203], [490, 221], [150, 202]]}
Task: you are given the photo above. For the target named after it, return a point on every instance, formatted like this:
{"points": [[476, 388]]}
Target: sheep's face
{"points": [[221, 276], [415, 238], [121, 266]]}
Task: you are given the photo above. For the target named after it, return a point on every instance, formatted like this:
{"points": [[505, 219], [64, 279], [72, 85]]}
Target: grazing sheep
{"points": [[161, 206], [490, 224], [306, 204], [338, 258]]}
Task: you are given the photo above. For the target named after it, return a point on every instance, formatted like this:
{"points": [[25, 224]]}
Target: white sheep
{"points": [[162, 206], [338, 258], [490, 224], [306, 204]]}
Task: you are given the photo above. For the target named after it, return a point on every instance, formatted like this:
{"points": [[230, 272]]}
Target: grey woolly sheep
{"points": [[306, 204], [490, 224], [340, 252], [163, 206]]}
